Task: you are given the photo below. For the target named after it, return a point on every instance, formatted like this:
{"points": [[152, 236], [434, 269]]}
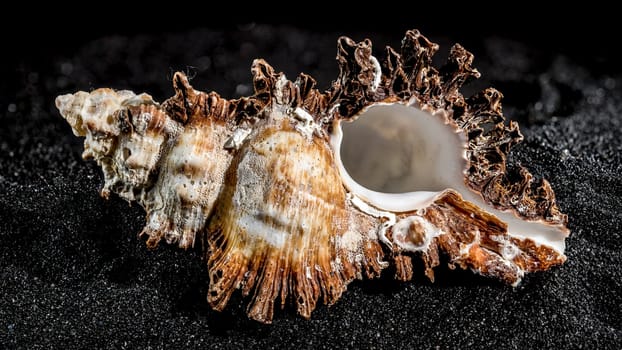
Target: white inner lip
{"points": [[400, 158]]}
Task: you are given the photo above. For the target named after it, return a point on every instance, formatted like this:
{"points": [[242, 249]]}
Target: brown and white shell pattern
{"points": [[296, 192]]}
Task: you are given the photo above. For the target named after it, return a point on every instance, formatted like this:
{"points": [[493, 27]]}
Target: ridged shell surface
{"points": [[294, 192]]}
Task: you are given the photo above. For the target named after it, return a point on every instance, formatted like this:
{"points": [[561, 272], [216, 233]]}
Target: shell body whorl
{"points": [[278, 224]]}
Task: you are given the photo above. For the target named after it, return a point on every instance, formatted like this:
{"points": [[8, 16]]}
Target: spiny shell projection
{"points": [[296, 192]]}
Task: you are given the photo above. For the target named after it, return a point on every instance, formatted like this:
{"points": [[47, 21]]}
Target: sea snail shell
{"points": [[296, 192]]}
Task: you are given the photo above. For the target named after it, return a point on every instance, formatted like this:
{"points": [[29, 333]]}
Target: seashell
{"points": [[296, 192]]}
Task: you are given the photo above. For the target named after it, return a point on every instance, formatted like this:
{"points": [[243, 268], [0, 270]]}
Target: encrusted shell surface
{"points": [[296, 192]]}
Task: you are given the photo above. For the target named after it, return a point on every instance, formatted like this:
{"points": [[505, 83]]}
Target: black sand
{"points": [[73, 274]]}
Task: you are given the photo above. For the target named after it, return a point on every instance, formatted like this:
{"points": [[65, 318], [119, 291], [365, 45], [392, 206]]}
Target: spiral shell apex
{"points": [[296, 192]]}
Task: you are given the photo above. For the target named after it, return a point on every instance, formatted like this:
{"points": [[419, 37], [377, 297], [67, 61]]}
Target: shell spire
{"points": [[295, 192]]}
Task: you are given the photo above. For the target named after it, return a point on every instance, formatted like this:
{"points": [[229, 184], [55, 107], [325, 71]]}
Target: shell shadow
{"points": [[193, 303], [444, 277]]}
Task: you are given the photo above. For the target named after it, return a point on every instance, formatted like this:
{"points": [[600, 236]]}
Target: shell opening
{"points": [[395, 148], [401, 158], [397, 157]]}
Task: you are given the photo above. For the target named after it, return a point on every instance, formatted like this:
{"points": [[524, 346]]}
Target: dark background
{"points": [[73, 273]]}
